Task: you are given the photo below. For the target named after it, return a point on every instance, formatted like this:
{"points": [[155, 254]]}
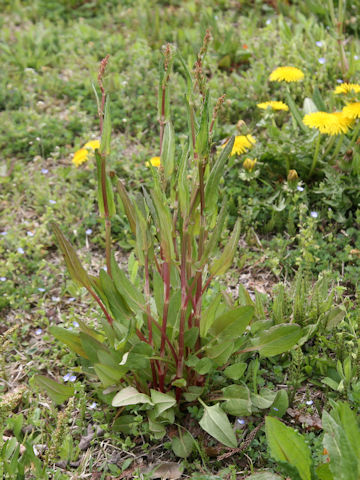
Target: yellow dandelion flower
{"points": [[155, 162], [274, 105], [286, 74], [81, 156], [241, 144], [93, 145], [352, 110], [249, 164], [328, 123], [347, 88]]}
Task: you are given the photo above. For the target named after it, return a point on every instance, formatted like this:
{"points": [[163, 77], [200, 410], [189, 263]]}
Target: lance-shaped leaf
{"points": [[216, 234], [76, 270], [216, 423], [109, 375], [223, 263], [183, 188], [130, 396], [104, 182], [202, 139], [128, 206], [187, 75], [241, 316], [295, 111], [278, 339], [117, 302], [71, 339], [287, 445], [168, 150], [123, 285], [57, 392], [212, 184], [319, 102], [106, 133], [165, 224]]}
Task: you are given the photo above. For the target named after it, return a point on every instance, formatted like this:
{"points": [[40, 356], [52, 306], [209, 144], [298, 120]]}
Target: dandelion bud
{"points": [[249, 164], [292, 176]]}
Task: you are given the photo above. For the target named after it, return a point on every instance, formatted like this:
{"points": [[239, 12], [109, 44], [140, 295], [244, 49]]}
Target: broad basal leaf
{"points": [[216, 423], [130, 396], [286, 445], [57, 392], [278, 339]]}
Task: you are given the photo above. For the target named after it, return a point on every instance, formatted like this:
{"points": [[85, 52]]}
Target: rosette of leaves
{"points": [[163, 332]]}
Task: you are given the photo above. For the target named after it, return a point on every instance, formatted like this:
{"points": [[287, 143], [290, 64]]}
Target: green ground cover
{"points": [[299, 250]]}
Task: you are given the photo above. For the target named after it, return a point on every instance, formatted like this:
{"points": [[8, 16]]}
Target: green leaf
{"points": [[128, 206], [211, 244], [117, 302], [238, 400], [235, 371], [319, 102], [165, 224], [57, 392], [202, 139], [216, 423], [106, 133], [125, 287], [295, 112], [76, 270], [130, 396], [162, 402], [280, 405], [309, 106], [208, 315], [344, 459], [168, 150], [223, 263], [287, 445], [183, 187], [183, 445], [193, 393], [323, 472], [109, 375], [278, 339], [221, 352], [72, 340], [240, 315], [100, 169], [212, 184], [264, 476]]}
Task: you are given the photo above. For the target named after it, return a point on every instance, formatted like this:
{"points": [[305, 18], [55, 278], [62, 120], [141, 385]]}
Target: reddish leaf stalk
{"points": [[166, 276], [184, 303], [148, 313], [102, 68], [101, 305]]}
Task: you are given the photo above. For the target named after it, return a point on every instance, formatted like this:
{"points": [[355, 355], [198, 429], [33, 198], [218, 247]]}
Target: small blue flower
{"points": [[319, 43], [66, 377], [2, 279], [300, 188], [76, 324], [29, 234], [322, 60], [268, 21], [339, 80], [52, 202], [314, 214], [88, 231], [4, 233], [44, 171], [71, 299], [356, 57], [276, 409], [38, 331], [72, 378], [20, 250], [92, 406], [309, 402], [240, 421], [55, 299], [40, 289]]}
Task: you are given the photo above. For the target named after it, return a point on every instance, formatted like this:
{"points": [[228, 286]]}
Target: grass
{"points": [[50, 51]]}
